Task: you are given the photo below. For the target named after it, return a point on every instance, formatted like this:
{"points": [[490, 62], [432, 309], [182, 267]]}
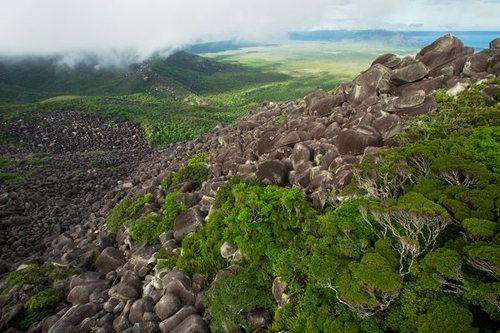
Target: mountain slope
{"points": [[33, 79], [337, 212]]}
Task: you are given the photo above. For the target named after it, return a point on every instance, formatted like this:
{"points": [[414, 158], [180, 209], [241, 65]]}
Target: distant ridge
{"points": [[479, 40], [379, 36], [33, 79]]}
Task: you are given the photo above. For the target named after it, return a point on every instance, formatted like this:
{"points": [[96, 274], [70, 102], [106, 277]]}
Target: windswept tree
{"points": [[414, 221]]}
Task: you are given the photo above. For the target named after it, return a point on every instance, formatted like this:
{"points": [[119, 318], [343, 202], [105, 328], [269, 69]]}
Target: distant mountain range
{"points": [[385, 37], [33, 79]]}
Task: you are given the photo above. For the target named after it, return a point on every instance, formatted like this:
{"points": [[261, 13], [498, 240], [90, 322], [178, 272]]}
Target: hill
{"points": [[373, 208], [384, 37], [35, 79]]}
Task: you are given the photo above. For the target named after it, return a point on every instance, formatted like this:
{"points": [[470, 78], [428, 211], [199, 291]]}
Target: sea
{"points": [[479, 40]]}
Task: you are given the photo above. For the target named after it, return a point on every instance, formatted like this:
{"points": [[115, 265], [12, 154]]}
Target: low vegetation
{"points": [[43, 302], [413, 247]]}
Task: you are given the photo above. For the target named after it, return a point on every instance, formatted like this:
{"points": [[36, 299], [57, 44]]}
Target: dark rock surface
{"points": [[58, 212]]}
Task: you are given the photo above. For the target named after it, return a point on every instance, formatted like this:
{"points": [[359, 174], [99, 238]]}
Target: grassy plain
{"points": [[279, 72]]}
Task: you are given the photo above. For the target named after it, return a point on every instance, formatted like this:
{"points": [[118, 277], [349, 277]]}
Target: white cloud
{"points": [[145, 26]]}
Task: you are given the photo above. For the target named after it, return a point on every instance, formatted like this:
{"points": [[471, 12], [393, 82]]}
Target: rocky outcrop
{"points": [[310, 144]]}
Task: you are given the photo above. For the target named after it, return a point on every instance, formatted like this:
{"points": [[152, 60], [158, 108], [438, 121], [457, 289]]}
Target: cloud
{"points": [[145, 26], [141, 27]]}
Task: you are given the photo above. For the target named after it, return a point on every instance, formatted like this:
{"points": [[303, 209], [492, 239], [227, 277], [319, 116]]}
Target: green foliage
{"points": [[264, 220], [97, 164], [480, 228], [10, 177], [125, 210], [232, 297], [150, 226], [40, 306], [35, 275], [5, 162], [166, 258], [195, 170], [36, 158], [446, 316]]}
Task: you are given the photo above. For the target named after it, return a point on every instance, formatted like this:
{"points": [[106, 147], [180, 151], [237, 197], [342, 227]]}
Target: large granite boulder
{"points": [[188, 222], [354, 141], [274, 172], [367, 83], [411, 73], [441, 52], [109, 260]]}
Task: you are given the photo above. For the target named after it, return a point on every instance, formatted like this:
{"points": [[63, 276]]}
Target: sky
{"points": [[141, 27]]}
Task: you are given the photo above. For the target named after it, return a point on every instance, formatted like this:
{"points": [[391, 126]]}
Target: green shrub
{"points": [[5, 162], [40, 306], [480, 228], [97, 164], [10, 177], [125, 210], [149, 227], [195, 170], [232, 297], [36, 158], [35, 275]]}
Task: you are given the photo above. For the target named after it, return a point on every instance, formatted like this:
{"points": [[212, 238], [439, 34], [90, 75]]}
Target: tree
{"points": [[445, 267], [484, 257], [413, 220], [368, 286], [446, 316]]}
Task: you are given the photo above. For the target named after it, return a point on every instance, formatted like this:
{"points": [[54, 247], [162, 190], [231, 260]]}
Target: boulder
{"points": [[146, 327], [494, 63], [179, 283], [354, 141], [81, 293], [442, 51], [332, 131], [323, 107], [388, 125], [168, 305], [192, 324], [11, 316], [314, 96], [279, 289], [342, 179], [427, 85], [274, 172], [291, 138], [172, 322], [259, 318], [477, 63], [491, 91], [268, 142], [428, 105], [301, 153], [495, 44], [109, 260], [139, 308], [302, 175], [410, 99], [227, 250], [411, 73], [367, 83], [188, 222], [321, 179], [388, 60], [130, 286]]}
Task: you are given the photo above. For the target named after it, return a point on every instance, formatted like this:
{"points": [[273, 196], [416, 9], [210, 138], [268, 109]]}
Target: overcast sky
{"points": [[145, 26]]}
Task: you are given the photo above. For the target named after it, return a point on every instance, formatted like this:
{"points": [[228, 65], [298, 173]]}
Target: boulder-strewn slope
{"points": [[310, 144]]}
